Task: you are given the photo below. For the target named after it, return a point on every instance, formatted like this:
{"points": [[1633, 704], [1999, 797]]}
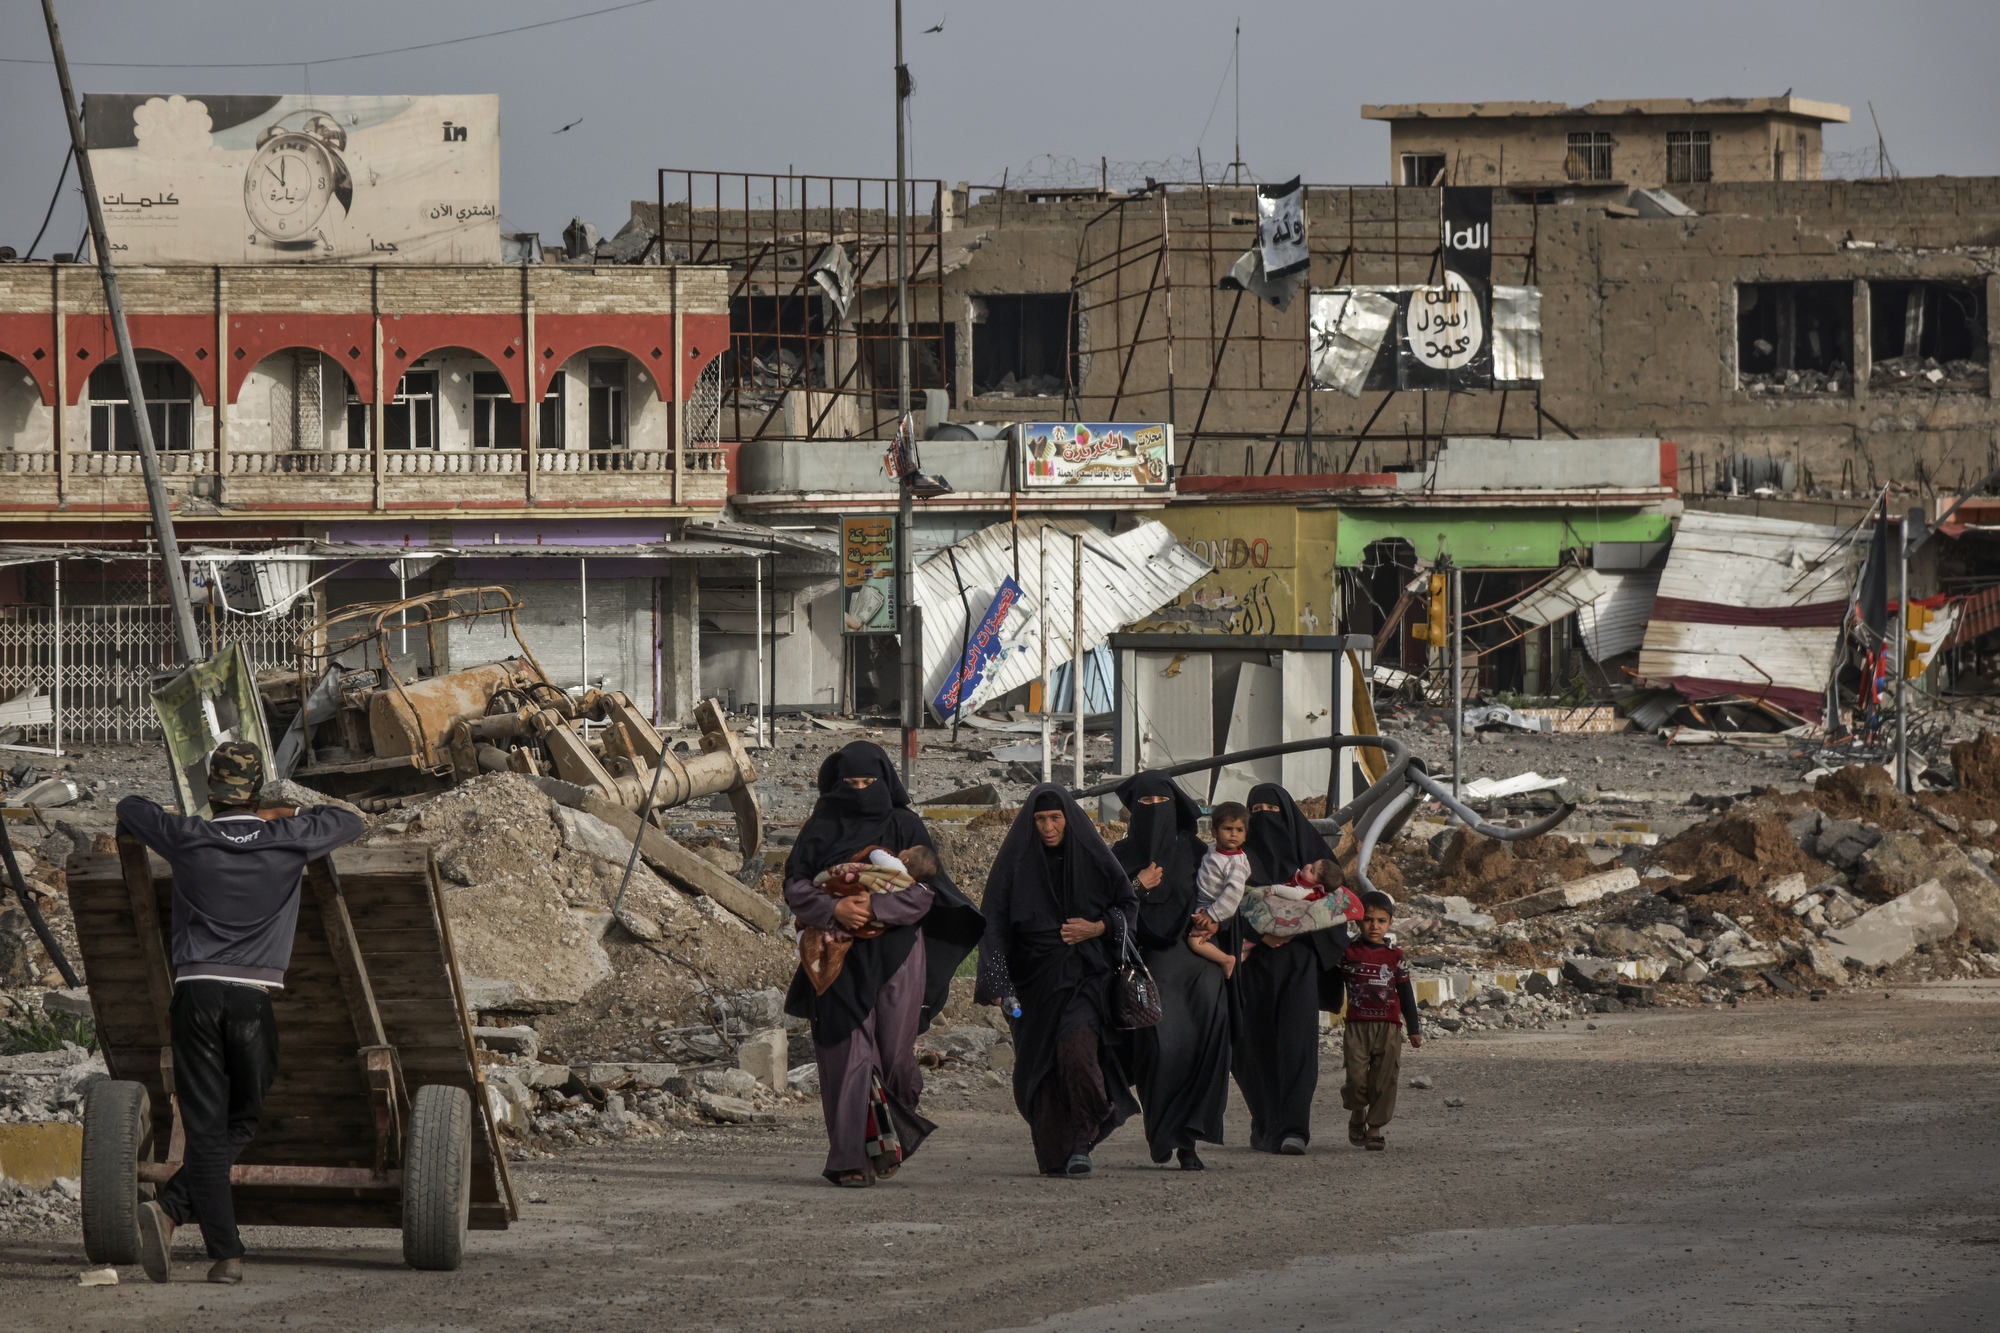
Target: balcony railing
{"points": [[260, 476], [125, 463], [315, 462]]}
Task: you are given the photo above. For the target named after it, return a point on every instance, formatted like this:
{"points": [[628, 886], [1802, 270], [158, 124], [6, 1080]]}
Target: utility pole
{"points": [[1076, 655], [186, 635], [1457, 660], [906, 511], [1913, 522]]}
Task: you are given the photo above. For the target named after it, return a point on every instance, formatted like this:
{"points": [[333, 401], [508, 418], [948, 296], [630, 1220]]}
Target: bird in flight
{"points": [[938, 26], [567, 128]]}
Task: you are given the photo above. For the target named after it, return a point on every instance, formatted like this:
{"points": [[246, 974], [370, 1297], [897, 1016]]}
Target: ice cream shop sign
{"points": [[1095, 453]]}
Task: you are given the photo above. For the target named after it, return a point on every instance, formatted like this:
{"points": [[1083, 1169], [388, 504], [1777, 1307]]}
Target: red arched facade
{"points": [[31, 340], [346, 339], [188, 339]]}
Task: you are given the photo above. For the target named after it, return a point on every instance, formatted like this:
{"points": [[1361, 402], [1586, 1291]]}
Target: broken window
{"points": [[933, 349], [169, 392], [1589, 156], [1023, 346], [410, 420], [1794, 337], [774, 343], [1422, 168], [1927, 336], [607, 405], [496, 418], [1687, 156]]}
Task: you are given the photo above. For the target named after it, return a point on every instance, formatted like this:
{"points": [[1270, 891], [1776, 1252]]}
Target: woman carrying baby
{"points": [[881, 929]]}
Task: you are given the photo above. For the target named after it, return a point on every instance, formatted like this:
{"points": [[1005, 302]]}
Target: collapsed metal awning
{"points": [[1125, 578], [1751, 606], [1611, 607]]}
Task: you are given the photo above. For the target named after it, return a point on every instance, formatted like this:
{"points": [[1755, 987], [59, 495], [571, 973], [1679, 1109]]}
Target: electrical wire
{"points": [[329, 60], [61, 177]]}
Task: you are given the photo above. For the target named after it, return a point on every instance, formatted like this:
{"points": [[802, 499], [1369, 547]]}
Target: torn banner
{"points": [[1281, 228]]}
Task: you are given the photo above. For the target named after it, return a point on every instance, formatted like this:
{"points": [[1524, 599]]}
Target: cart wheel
{"points": [[117, 1133], [437, 1178]]}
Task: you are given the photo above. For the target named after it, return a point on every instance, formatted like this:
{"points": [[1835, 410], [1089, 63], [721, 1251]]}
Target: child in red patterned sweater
{"points": [[1380, 1003]]}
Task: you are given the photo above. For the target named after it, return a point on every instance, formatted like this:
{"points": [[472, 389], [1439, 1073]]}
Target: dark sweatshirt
{"points": [[236, 883]]}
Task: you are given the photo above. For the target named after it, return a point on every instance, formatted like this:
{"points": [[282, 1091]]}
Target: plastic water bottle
{"points": [[1010, 1006]]}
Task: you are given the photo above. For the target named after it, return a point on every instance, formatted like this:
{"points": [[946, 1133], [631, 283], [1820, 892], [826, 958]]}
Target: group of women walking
{"points": [[1060, 911]]}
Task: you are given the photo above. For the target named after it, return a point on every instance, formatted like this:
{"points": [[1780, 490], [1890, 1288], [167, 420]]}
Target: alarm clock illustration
{"points": [[296, 174]]}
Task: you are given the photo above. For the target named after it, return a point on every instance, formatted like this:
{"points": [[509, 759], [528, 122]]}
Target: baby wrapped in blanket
{"points": [[823, 949], [1313, 899]]}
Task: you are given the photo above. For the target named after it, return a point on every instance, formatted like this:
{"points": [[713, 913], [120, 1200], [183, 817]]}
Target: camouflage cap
{"points": [[235, 773]]}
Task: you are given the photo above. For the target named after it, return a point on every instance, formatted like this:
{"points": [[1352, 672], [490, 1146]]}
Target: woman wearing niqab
{"points": [[865, 1025], [1276, 1054], [1058, 908], [1181, 1065]]}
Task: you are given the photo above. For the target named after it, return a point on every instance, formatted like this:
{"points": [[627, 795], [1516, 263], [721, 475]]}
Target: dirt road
{"points": [[1782, 1166]]}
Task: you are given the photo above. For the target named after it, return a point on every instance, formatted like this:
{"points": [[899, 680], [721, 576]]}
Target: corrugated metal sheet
{"points": [[1569, 591], [1611, 608], [1125, 578], [1616, 622], [1750, 605]]}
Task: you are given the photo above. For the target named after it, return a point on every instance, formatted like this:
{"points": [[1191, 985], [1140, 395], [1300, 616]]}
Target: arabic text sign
{"points": [[868, 568], [235, 179], [963, 683], [1095, 453]]}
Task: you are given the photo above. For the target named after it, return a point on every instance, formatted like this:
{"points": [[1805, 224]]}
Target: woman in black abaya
{"points": [[1181, 1065], [1276, 1056], [1058, 907], [890, 986]]}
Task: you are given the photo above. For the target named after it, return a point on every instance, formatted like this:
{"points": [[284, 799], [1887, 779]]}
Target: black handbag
{"points": [[1135, 996]]}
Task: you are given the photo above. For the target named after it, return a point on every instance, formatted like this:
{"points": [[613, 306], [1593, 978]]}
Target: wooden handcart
{"points": [[378, 1116]]}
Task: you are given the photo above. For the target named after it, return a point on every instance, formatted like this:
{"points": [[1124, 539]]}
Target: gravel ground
{"points": [[1779, 1166]]}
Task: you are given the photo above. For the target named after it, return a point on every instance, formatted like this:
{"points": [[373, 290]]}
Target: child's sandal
{"points": [[1376, 1143]]}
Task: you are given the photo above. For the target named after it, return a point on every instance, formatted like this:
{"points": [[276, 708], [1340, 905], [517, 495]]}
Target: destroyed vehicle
{"points": [[363, 719]]}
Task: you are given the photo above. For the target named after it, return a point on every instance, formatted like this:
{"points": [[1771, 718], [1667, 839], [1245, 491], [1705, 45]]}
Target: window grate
{"points": [[1589, 156], [1688, 157]]}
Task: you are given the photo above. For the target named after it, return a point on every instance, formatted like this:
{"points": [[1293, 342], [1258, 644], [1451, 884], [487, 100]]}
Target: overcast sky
{"points": [[1036, 86]]}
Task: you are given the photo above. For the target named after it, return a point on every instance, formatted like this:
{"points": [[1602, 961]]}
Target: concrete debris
{"points": [[1574, 894], [764, 1057], [97, 1277], [1886, 934]]}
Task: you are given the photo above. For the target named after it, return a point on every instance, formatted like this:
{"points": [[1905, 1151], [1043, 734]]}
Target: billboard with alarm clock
{"points": [[297, 179]]}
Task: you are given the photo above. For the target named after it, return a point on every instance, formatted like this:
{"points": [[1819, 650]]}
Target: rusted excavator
{"points": [[355, 725]]}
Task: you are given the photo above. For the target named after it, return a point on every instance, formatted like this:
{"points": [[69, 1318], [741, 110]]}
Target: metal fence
{"points": [[100, 662]]}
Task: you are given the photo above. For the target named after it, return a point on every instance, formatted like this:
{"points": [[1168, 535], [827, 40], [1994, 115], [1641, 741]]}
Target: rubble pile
{"points": [[738, 1066], [1850, 883], [47, 1086], [57, 1210], [530, 884], [1959, 375]]}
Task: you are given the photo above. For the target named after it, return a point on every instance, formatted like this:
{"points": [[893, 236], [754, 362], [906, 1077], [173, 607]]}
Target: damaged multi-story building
{"points": [[1684, 311]]}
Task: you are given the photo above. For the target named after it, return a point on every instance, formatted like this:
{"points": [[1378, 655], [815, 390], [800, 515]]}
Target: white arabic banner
{"points": [[1281, 228], [261, 179]]}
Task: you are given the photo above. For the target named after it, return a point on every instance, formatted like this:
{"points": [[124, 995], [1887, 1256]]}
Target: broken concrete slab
{"points": [[67, 1003], [1902, 862], [482, 993], [765, 1057], [1844, 841], [520, 1041], [1825, 962], [1576, 893], [1789, 889], [1892, 931], [730, 1110]]}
